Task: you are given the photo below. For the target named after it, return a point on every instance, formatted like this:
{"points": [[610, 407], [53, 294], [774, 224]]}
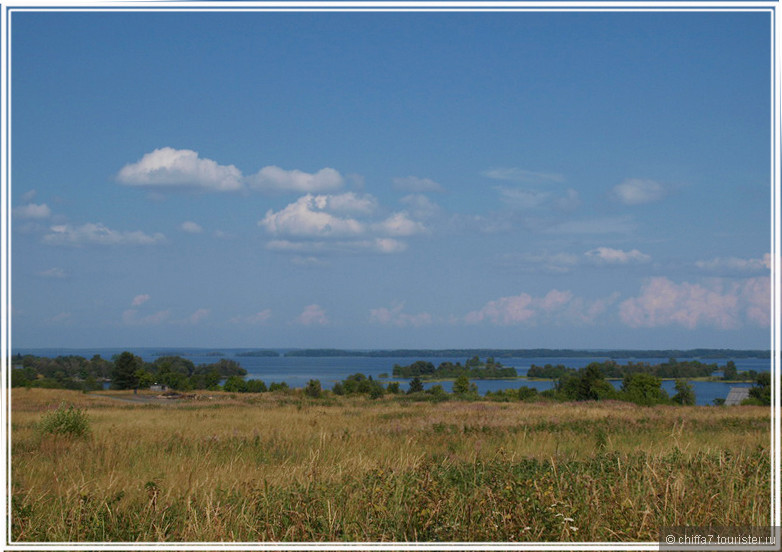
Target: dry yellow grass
{"points": [[280, 467]]}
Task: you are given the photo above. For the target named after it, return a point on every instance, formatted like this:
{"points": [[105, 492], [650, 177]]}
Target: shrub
{"points": [[66, 420], [313, 389]]}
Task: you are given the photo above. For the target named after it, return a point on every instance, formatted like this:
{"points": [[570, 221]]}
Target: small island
{"points": [[474, 368]]}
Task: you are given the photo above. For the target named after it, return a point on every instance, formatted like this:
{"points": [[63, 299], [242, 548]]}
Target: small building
{"points": [[736, 395], [158, 387]]}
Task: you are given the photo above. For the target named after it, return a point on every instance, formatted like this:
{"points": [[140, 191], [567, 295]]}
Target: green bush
{"points": [[66, 420]]}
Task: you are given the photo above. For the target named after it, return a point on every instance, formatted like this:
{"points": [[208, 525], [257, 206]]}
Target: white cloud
{"points": [[416, 184], [32, 211], [635, 191], [665, 303], [275, 179], [521, 175], [307, 218], [140, 300], [254, 319], [191, 227], [337, 223], [53, 273], [607, 255], [522, 308], [395, 317], [99, 234], [172, 169], [313, 315], [29, 195], [736, 264], [570, 202], [399, 225], [556, 307]]}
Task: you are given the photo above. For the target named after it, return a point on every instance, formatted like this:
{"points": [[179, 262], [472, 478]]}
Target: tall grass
{"points": [[289, 468]]}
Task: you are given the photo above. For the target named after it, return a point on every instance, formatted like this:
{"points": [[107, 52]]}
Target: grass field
{"points": [[284, 468]]}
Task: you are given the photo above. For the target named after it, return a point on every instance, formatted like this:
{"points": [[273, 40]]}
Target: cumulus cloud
{"points": [[98, 234], [275, 179], [606, 255], [416, 184], [140, 300], [736, 264], [666, 303], [32, 211], [313, 315], [515, 174], [635, 191], [395, 317], [307, 217], [345, 222], [169, 168], [254, 319], [191, 227]]}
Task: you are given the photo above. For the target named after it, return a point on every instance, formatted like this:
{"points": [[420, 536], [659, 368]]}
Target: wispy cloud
{"points": [[417, 185], [635, 191], [396, 317], [55, 272], [191, 227], [313, 315], [604, 225], [130, 317], [606, 255], [140, 300], [258, 318], [515, 174], [736, 264], [98, 234], [32, 211]]}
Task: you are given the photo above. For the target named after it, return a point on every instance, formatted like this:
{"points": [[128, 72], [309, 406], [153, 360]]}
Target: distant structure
{"points": [[736, 395], [158, 387]]}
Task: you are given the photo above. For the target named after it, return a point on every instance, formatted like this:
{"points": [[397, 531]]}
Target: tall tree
{"points": [[123, 376]]}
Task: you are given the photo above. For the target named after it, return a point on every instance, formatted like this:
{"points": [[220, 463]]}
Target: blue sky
{"points": [[377, 180]]}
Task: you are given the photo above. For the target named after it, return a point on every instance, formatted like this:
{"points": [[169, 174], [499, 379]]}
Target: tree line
{"points": [[474, 368], [672, 369]]}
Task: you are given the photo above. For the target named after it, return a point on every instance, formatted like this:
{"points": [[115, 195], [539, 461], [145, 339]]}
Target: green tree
{"points": [[235, 384], [462, 385], [415, 385], [643, 389], [729, 372], [123, 376], [684, 393]]}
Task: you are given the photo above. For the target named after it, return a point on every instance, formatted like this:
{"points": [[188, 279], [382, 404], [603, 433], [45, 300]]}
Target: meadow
{"points": [[285, 467]]}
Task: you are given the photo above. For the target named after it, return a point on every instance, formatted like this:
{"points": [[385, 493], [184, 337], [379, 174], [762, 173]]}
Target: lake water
{"points": [[297, 371]]}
